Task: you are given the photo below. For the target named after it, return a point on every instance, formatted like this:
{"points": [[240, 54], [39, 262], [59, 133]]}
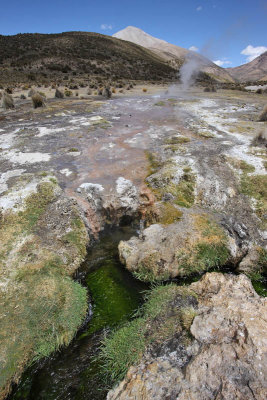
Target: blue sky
{"points": [[220, 29]]}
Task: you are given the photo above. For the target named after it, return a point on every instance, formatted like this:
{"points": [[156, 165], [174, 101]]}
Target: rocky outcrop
{"points": [[123, 203], [195, 243], [225, 358]]}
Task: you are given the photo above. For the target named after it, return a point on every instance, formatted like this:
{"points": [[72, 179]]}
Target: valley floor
{"points": [[191, 166]]}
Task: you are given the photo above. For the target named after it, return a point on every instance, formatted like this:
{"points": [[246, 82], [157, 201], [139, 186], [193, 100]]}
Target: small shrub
{"points": [[22, 97], [59, 94], [7, 101], [260, 139], [100, 92], [31, 92], [9, 90], [68, 93], [77, 94], [144, 90], [259, 91], [38, 100], [107, 92], [113, 90], [263, 115]]}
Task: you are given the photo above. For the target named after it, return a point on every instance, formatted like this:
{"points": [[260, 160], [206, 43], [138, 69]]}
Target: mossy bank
{"points": [[43, 241]]}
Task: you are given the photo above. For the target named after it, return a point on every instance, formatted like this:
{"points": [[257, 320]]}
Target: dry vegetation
{"points": [[74, 56]]}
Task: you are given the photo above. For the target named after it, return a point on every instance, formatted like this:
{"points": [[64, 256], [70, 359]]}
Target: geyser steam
{"points": [[188, 71]]}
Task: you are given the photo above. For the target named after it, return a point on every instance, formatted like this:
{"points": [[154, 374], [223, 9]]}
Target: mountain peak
{"points": [[138, 36]]}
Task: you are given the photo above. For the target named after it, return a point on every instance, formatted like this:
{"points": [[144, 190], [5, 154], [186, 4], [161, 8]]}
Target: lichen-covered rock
{"points": [[226, 358], [193, 244]]}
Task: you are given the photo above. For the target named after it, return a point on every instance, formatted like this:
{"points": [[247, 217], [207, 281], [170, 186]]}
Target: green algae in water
{"points": [[114, 295]]}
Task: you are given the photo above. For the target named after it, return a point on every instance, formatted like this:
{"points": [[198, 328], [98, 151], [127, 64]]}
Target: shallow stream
{"points": [[73, 373]]}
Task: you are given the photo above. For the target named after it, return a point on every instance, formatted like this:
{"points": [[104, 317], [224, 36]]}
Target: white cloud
{"points": [[253, 52], [106, 27], [199, 8], [221, 63], [193, 48]]}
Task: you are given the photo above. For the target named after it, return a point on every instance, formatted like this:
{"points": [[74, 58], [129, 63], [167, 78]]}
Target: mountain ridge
{"points": [[171, 52], [255, 70]]}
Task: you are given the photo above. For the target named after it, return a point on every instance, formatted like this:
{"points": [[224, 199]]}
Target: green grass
{"points": [[145, 275], [202, 257], [36, 203], [156, 321], [209, 251], [43, 306]]}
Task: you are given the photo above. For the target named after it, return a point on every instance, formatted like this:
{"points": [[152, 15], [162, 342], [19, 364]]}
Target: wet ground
{"points": [[93, 141]]}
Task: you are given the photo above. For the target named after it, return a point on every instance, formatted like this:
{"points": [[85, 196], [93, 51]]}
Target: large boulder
{"points": [[225, 358], [196, 243]]}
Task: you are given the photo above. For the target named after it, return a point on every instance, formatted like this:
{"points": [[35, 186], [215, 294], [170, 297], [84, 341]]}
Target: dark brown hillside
{"points": [[44, 57]]}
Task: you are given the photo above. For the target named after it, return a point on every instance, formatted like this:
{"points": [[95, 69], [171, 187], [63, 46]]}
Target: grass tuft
{"points": [[167, 310]]}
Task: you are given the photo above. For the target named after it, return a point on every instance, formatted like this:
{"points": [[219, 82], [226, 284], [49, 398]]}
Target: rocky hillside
{"points": [[175, 55], [83, 55], [253, 71]]}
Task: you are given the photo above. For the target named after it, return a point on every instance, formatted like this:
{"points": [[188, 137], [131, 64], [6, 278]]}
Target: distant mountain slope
{"points": [[253, 71], [171, 52], [73, 54]]}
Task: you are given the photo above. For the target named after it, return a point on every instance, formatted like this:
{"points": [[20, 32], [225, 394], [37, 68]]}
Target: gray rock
{"points": [[226, 358]]}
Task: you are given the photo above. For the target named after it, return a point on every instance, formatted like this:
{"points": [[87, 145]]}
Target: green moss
{"points": [[154, 163], [159, 103], [241, 164], [206, 134], [73, 150], [177, 140], [169, 214], [183, 192]]}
